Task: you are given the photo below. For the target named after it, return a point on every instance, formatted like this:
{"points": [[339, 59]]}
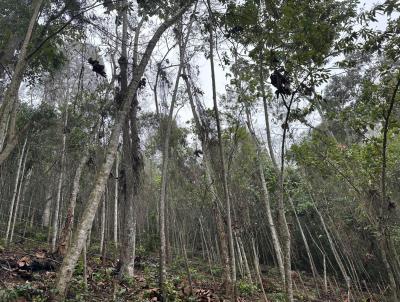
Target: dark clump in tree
{"points": [[97, 67], [281, 82]]}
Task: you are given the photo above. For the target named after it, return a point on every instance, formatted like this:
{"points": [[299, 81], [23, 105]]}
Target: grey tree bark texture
{"points": [[80, 235], [182, 41], [222, 159], [8, 110]]}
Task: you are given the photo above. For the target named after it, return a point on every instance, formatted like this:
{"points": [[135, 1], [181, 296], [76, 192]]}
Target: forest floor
{"points": [[28, 274]]}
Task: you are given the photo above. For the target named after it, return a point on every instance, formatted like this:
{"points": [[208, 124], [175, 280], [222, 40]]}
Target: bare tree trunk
{"points": [[20, 190], [103, 223], [80, 235], [186, 264], [325, 278], [246, 263], [116, 200], [223, 252], [286, 241], [60, 183], [14, 196], [69, 220], [306, 245], [166, 146], [280, 172], [239, 258], [47, 207], [85, 270], [164, 172], [383, 240], [206, 247], [257, 267], [132, 161], [222, 158], [9, 106], [266, 115], [267, 203], [106, 226], [333, 248], [28, 218]]}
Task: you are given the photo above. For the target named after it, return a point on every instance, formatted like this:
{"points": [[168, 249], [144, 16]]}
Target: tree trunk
{"points": [[60, 183], [186, 264], [69, 220], [257, 267], [116, 201], [165, 152], [206, 247], [306, 245], [281, 208], [103, 223], [47, 207], [202, 134], [14, 196], [132, 161], [383, 240], [80, 235], [222, 159], [20, 190], [333, 248], [266, 115], [266, 197], [9, 105], [246, 263]]}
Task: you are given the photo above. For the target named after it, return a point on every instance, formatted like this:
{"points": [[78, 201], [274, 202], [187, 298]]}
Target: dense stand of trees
{"points": [[293, 164]]}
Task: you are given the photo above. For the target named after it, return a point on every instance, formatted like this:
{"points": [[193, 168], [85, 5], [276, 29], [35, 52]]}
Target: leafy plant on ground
{"points": [[246, 288], [22, 290]]}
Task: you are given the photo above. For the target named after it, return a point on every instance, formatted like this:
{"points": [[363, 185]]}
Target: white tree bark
{"points": [[223, 252], [132, 160], [164, 172], [257, 267], [305, 241], [246, 263], [15, 192], [267, 200], [80, 235], [103, 223], [116, 200], [47, 207], [333, 248], [222, 158], [69, 220], [60, 183], [21, 190]]}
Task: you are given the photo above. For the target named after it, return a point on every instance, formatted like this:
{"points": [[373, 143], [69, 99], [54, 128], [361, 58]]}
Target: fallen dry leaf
{"points": [[40, 254], [24, 261]]}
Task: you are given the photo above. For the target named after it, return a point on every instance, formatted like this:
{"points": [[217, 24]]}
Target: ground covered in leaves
{"points": [[29, 275]]}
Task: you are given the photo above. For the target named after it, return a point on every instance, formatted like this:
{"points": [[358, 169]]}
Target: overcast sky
{"points": [[221, 81]]}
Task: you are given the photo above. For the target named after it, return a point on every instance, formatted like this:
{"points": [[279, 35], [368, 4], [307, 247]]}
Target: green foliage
{"points": [[78, 289], [246, 288], [14, 19], [171, 291], [100, 276], [150, 241], [216, 271], [79, 269], [129, 281], [277, 297], [25, 290], [150, 273], [141, 251]]}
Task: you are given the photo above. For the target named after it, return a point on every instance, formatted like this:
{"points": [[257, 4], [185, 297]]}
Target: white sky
{"points": [[147, 102]]}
